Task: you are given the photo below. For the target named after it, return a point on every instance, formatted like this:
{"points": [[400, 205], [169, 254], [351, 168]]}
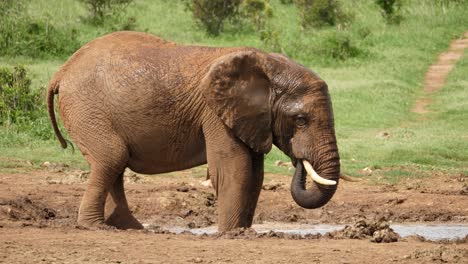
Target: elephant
{"points": [[134, 100]]}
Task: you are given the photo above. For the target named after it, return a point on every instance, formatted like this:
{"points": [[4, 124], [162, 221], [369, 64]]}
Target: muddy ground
{"points": [[38, 210]]}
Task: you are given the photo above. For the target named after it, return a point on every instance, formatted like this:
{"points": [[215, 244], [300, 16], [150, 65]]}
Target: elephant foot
{"points": [[94, 225], [123, 220]]}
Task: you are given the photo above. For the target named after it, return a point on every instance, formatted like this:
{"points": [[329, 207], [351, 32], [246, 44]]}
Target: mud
{"points": [[378, 231], [375, 231], [24, 209], [39, 207]]}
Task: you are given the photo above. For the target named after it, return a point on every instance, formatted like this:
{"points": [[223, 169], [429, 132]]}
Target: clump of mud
{"points": [[273, 186], [441, 254], [238, 233], [377, 231], [249, 233], [24, 209], [289, 236]]}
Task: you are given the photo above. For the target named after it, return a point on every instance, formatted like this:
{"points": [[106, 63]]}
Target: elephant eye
{"points": [[301, 121]]}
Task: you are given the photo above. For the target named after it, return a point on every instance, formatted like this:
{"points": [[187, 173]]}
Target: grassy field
{"points": [[372, 91]]}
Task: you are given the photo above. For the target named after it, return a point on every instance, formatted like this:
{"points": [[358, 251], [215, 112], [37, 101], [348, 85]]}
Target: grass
{"points": [[372, 92]]}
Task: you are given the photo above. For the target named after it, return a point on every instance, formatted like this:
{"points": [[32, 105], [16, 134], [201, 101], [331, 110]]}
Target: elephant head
{"points": [[269, 99]]}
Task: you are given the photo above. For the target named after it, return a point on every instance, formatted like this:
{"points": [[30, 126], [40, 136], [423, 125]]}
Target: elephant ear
{"points": [[237, 89]]}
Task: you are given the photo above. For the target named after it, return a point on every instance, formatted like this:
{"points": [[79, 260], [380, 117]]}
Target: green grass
{"points": [[371, 92]]}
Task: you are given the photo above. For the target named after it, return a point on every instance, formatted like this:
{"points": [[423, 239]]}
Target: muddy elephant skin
{"points": [[133, 100]]}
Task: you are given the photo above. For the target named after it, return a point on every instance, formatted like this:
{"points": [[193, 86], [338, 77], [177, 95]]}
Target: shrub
{"points": [[257, 11], [101, 10], [390, 10], [21, 34], [327, 48], [22, 109], [17, 100], [338, 46], [211, 14], [319, 13]]}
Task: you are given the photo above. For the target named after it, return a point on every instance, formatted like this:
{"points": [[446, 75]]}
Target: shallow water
{"points": [[432, 232]]}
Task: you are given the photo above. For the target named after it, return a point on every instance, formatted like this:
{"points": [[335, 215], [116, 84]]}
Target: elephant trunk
{"points": [[319, 193]]}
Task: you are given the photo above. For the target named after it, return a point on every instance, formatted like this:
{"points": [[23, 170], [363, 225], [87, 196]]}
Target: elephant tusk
{"points": [[315, 176]]}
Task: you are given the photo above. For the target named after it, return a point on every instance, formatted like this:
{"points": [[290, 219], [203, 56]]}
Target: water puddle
{"points": [[431, 232], [264, 228]]}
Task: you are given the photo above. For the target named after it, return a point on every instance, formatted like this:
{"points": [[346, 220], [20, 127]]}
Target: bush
{"points": [[319, 13], [211, 14], [102, 10], [338, 46], [21, 107], [17, 100], [21, 34], [327, 48], [257, 11], [390, 10]]}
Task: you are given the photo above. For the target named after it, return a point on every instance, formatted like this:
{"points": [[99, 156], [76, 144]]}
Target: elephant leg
{"points": [[91, 213], [237, 176], [117, 212], [237, 198], [107, 158]]}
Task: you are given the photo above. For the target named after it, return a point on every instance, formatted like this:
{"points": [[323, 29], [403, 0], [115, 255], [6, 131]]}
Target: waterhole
{"points": [[428, 231]]}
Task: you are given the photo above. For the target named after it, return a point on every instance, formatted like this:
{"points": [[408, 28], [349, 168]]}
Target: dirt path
{"points": [[438, 72], [38, 210]]}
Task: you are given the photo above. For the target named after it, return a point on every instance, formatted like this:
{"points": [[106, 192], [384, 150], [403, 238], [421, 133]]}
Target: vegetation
{"points": [[374, 70], [101, 9], [33, 36], [258, 11], [391, 10], [21, 107], [109, 14], [319, 13], [17, 100], [211, 14]]}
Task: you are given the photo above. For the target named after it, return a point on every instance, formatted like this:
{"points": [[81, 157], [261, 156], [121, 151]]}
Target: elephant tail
{"points": [[51, 91]]}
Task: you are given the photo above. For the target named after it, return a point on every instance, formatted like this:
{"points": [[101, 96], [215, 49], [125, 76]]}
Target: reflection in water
{"points": [[432, 232]]}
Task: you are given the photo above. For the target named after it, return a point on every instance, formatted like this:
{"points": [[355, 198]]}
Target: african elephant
{"points": [[134, 100]]}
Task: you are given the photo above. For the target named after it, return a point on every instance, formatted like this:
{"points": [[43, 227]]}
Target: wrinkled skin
{"points": [[133, 100]]}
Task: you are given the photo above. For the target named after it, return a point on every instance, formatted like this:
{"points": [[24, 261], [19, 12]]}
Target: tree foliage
{"points": [[319, 13], [17, 99], [390, 10], [100, 10], [257, 11], [212, 14]]}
